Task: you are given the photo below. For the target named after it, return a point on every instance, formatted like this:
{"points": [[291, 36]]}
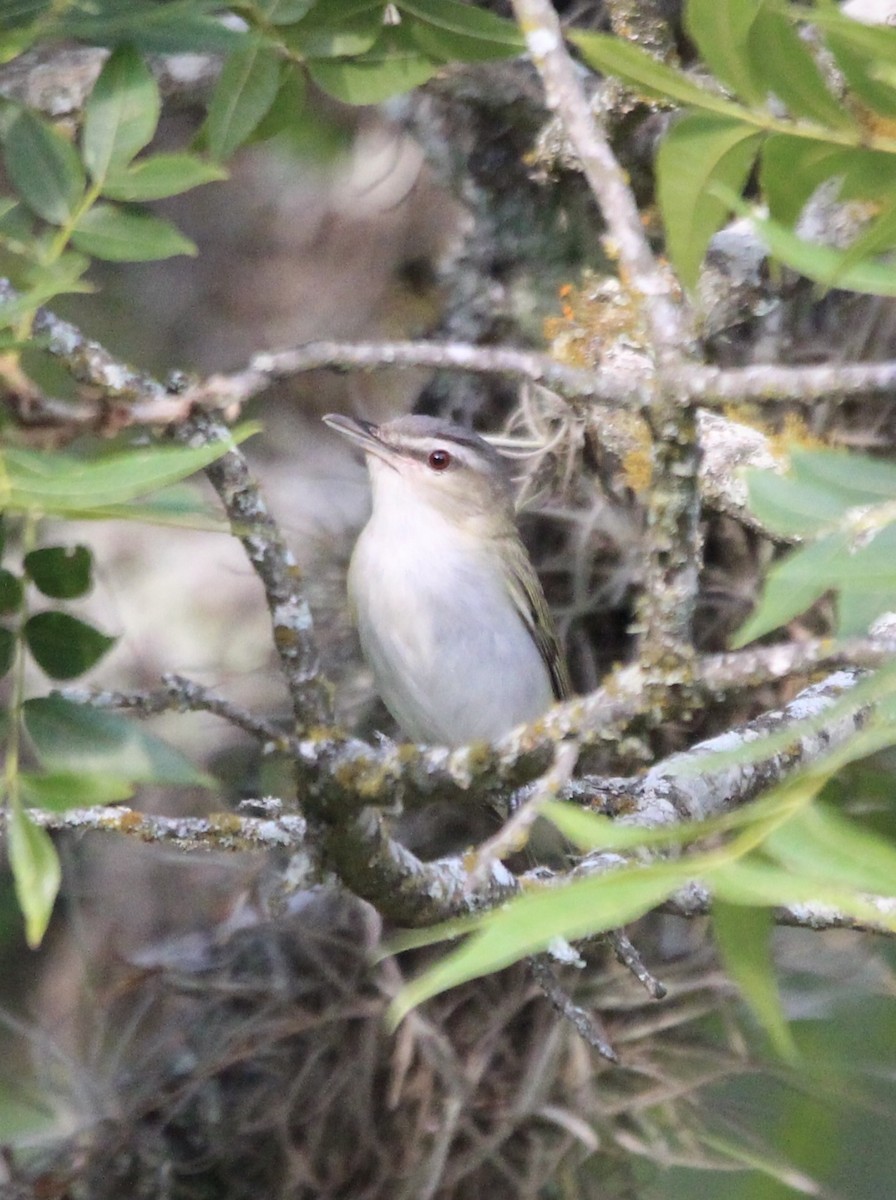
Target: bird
{"points": [[451, 615]]}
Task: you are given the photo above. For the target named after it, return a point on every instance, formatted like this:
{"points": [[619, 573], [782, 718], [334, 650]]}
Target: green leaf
{"points": [[62, 572], [72, 737], [529, 924], [743, 938], [62, 485], [793, 507], [35, 869], [283, 12], [337, 27], [700, 150], [176, 25], [791, 169], [782, 59], [160, 176], [451, 31], [719, 29], [10, 591], [61, 790], [859, 71], [631, 64], [119, 235], [822, 263], [242, 96], [392, 66], [794, 584], [754, 882], [53, 279], [63, 646], [121, 113], [879, 236], [819, 843], [872, 41], [867, 584], [44, 168], [288, 114], [7, 649], [855, 479]]}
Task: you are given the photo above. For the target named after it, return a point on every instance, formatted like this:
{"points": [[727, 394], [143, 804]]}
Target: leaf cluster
{"points": [[777, 112], [83, 756]]}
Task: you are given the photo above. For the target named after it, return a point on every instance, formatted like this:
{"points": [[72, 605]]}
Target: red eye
{"points": [[439, 460]]}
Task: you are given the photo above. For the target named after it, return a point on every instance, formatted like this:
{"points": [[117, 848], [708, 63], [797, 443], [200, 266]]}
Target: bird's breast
{"points": [[450, 654]]}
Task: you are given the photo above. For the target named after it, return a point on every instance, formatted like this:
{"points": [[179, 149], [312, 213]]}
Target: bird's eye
{"points": [[439, 460]]}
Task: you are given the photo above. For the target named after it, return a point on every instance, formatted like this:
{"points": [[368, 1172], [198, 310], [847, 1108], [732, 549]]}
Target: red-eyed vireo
{"points": [[451, 615]]}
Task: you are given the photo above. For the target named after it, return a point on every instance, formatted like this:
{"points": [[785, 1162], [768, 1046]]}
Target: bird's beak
{"points": [[363, 434]]}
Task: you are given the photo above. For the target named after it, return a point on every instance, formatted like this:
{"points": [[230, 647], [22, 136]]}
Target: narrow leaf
{"points": [[743, 937], [822, 263], [63, 646], [242, 96], [719, 29], [701, 149], [63, 572], [283, 12], [62, 484], [160, 176], [859, 71], [782, 59], [631, 64], [821, 844], [76, 738], [856, 479], [61, 790], [394, 65], [120, 235], [337, 28], [794, 507], [121, 113], [529, 924], [35, 869], [449, 30], [44, 168], [794, 584]]}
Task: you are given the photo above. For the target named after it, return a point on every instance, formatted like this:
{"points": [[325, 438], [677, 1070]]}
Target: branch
{"points": [[696, 901], [565, 97], [251, 522], [179, 695], [219, 831]]}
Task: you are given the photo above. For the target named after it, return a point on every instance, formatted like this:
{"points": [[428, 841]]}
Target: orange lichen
{"points": [[637, 468], [593, 315]]}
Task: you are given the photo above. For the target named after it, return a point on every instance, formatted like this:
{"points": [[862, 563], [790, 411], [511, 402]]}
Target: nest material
{"points": [[263, 1067]]}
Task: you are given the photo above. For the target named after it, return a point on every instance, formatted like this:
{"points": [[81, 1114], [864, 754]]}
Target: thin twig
{"points": [[274, 563], [179, 695], [585, 1023], [628, 955]]}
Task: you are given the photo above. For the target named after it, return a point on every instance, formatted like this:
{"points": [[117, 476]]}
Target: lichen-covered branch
{"points": [[219, 831], [274, 563], [651, 283]]}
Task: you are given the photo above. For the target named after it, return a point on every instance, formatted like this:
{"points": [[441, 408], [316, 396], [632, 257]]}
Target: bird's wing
{"points": [[529, 599]]}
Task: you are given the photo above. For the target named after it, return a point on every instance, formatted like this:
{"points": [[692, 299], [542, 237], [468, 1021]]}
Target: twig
{"points": [[585, 1023], [274, 563], [219, 831], [514, 833], [627, 954], [179, 695], [696, 901], [565, 97]]}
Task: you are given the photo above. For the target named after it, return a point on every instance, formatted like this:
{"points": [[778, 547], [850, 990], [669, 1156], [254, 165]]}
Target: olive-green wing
{"points": [[528, 596]]}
